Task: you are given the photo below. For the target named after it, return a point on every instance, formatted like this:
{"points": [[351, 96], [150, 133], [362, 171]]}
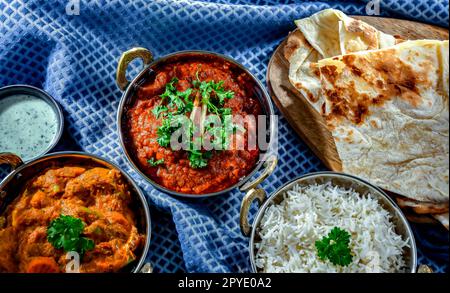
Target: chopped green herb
{"points": [[164, 133], [212, 96], [154, 163], [170, 89], [335, 247], [198, 159], [65, 232], [169, 125], [158, 110], [225, 111], [176, 99], [185, 98]]}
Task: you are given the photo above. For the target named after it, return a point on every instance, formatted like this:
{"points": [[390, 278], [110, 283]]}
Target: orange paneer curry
{"points": [[98, 198]]}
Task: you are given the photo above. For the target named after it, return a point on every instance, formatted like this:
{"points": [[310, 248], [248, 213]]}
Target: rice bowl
{"points": [[290, 229], [279, 245]]}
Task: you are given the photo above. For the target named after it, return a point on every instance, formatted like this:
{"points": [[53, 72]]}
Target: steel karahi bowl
{"points": [[337, 179], [129, 96], [21, 172]]}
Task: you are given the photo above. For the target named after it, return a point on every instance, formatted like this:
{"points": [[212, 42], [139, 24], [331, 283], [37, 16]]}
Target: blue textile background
{"points": [[74, 58]]}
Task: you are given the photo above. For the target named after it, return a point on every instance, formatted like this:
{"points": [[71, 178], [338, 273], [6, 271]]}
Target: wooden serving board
{"points": [[308, 124]]}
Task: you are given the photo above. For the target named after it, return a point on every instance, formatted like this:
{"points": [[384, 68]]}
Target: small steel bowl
{"points": [[20, 89], [150, 67], [338, 179], [13, 183]]}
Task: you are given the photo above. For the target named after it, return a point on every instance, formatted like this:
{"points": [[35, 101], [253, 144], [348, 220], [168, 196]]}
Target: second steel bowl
{"points": [[22, 172], [338, 179]]}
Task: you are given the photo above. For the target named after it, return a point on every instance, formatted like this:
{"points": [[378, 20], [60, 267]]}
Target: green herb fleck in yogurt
{"points": [[28, 125]]}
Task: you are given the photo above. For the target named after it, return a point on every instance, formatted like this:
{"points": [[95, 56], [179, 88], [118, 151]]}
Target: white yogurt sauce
{"points": [[28, 125]]}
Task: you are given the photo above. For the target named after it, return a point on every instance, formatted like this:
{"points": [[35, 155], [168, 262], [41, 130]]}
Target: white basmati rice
{"points": [[290, 229]]}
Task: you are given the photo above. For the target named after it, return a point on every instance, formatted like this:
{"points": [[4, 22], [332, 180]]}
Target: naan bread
{"points": [[301, 55], [421, 208], [330, 32], [443, 218], [387, 110], [326, 34]]}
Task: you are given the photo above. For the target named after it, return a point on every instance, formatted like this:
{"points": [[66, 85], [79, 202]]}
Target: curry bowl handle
{"points": [[11, 159], [258, 194], [124, 61], [270, 164], [147, 268], [424, 269]]}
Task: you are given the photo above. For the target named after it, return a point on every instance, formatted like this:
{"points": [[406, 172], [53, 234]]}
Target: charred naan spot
{"points": [[290, 49], [348, 103], [339, 108], [396, 71], [379, 100], [355, 26], [308, 93], [311, 97], [379, 83], [356, 71], [323, 108], [315, 69], [348, 139], [349, 60], [329, 72], [369, 33], [373, 123], [360, 111], [413, 98], [298, 85], [294, 42], [401, 80]]}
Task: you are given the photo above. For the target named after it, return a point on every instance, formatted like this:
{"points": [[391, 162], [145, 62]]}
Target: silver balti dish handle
{"points": [[254, 193], [10, 159], [147, 268]]}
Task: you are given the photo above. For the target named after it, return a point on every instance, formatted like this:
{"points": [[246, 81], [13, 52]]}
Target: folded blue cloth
{"points": [[74, 58]]}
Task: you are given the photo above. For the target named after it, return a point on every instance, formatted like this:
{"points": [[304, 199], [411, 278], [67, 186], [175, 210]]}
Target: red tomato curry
{"points": [[224, 168], [98, 196]]}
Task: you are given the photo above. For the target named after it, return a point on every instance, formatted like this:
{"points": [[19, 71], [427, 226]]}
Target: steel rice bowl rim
{"points": [[394, 211], [130, 91], [141, 202]]}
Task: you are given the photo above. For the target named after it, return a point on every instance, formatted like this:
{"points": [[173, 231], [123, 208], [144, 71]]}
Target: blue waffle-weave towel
{"points": [[74, 58]]}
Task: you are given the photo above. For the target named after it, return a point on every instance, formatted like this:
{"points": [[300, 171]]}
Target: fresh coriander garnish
{"points": [[65, 232], [177, 100], [164, 132], [214, 95], [154, 163], [158, 110], [335, 247], [211, 96], [198, 159]]}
